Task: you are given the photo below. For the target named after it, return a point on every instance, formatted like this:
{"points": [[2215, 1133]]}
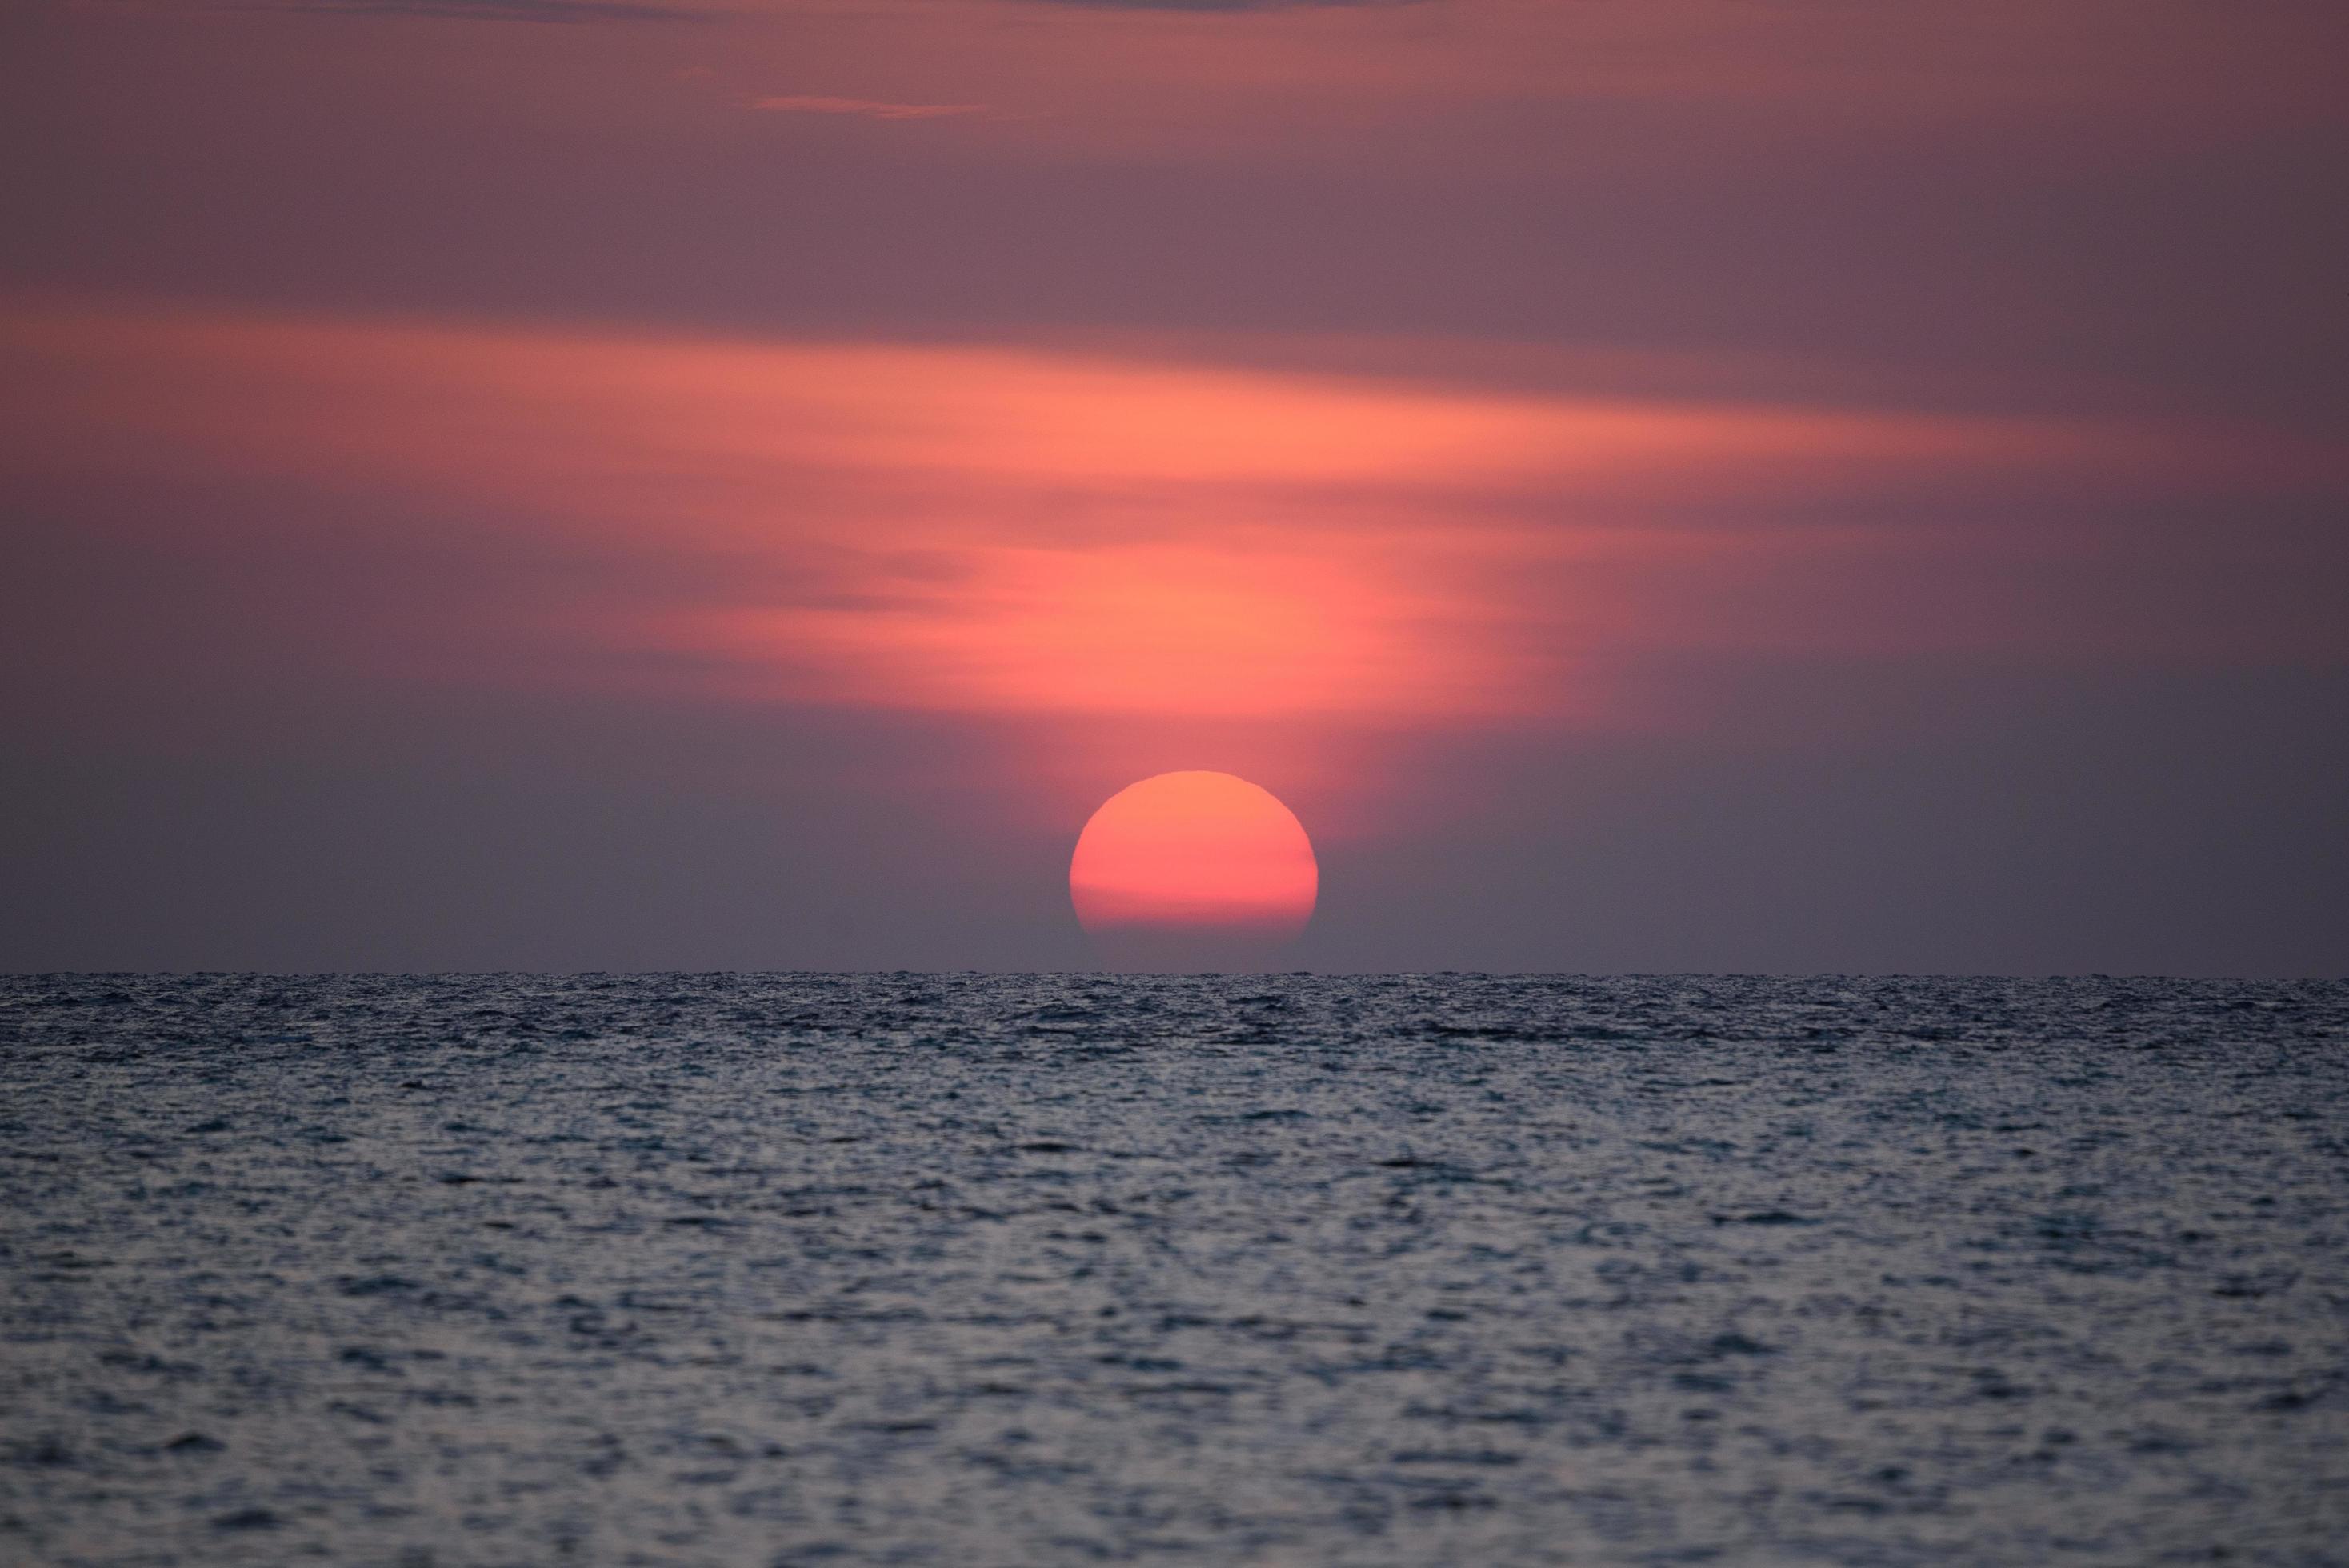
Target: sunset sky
{"points": [[1784, 485]]}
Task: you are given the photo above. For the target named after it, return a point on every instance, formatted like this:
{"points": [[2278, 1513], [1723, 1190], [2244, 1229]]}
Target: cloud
{"points": [[870, 108], [500, 10], [997, 530]]}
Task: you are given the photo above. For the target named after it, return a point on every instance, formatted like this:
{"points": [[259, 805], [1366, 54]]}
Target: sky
{"points": [[1655, 485]]}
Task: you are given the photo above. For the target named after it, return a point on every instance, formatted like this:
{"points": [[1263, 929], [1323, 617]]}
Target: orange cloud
{"points": [[1005, 530]]}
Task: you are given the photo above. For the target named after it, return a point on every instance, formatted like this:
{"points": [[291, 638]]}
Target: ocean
{"points": [[980, 1269]]}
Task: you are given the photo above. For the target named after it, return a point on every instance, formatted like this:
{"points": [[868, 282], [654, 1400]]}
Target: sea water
{"points": [[973, 1270]]}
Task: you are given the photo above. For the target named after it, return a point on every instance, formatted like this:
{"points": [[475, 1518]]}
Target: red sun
{"points": [[1192, 865]]}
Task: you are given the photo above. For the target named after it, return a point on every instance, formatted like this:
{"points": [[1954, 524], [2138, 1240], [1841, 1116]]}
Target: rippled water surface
{"points": [[976, 1270]]}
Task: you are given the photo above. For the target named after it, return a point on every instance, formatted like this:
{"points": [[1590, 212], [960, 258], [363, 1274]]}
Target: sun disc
{"points": [[1194, 855]]}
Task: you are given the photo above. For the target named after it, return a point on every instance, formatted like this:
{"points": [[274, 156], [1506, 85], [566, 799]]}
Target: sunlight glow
{"points": [[991, 529]]}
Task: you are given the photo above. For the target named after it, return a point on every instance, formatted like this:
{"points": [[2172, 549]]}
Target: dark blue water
{"points": [[1004, 1271]]}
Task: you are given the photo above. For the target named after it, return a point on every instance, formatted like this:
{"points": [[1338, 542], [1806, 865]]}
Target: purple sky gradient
{"points": [[1660, 486]]}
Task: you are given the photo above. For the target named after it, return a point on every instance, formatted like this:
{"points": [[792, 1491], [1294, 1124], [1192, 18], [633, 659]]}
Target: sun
{"points": [[1192, 869]]}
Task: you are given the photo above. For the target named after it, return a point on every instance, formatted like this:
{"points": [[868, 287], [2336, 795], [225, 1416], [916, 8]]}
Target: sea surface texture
{"points": [[974, 1271]]}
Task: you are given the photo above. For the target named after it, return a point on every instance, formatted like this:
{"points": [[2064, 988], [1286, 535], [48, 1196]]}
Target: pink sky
{"points": [[1427, 409]]}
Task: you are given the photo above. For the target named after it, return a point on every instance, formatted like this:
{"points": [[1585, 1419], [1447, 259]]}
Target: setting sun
{"points": [[1194, 857]]}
